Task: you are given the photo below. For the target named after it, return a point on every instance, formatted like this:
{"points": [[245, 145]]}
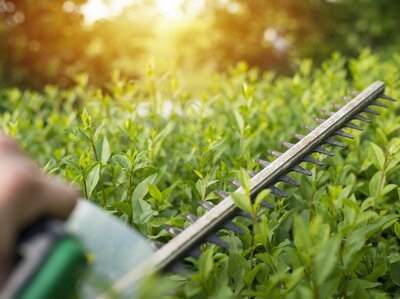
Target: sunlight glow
{"points": [[95, 10], [171, 8]]}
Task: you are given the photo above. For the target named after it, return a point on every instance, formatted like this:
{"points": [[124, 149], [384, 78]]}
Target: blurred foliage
{"points": [[39, 42], [43, 41], [269, 33], [46, 42], [337, 235]]}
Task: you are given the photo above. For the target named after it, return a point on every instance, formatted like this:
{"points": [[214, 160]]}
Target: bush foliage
{"points": [[148, 151]]}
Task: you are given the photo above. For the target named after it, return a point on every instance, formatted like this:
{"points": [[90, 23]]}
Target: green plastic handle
{"points": [[49, 263], [59, 274]]}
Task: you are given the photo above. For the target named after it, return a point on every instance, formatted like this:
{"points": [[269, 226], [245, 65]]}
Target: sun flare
{"points": [[95, 10]]}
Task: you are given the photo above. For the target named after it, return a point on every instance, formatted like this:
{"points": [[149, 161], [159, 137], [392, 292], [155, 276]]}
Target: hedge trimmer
{"points": [[50, 259]]}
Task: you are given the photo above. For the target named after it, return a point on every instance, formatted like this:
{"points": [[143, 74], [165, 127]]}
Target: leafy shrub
{"points": [[149, 150]]}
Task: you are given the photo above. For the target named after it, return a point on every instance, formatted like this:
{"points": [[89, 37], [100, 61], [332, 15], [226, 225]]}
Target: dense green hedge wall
{"points": [[149, 151]]}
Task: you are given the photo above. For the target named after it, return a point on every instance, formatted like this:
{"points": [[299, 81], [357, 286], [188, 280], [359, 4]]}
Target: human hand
{"points": [[26, 194]]}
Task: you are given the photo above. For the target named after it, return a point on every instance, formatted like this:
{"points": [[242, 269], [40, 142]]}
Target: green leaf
{"points": [[361, 284], [263, 195], [142, 211], [326, 259], [295, 277], [397, 229], [250, 275], [247, 91], [123, 161], [243, 202], [142, 188], [85, 117], [237, 267], [302, 236], [244, 180], [355, 242], [377, 181], [394, 147], [239, 121], [92, 179], [387, 189], [201, 188], [155, 192], [393, 162], [123, 207], [198, 173], [105, 150], [376, 156], [206, 263], [394, 268], [378, 271]]}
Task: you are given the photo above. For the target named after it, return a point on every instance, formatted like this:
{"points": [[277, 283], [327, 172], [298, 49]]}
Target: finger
{"points": [[58, 198], [7, 144]]}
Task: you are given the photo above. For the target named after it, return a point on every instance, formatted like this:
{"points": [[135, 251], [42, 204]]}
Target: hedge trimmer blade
{"points": [[203, 229]]}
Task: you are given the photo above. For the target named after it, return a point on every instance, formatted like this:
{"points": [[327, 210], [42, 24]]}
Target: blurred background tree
{"points": [[48, 42], [40, 41], [51, 41], [271, 33]]}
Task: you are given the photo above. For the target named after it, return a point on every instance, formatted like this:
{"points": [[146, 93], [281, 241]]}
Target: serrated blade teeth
{"points": [[267, 204], [346, 99], [337, 105], [244, 214], [371, 111], [195, 252], [354, 126], [229, 225], [190, 218], [379, 104], [298, 136], [299, 169], [217, 241], [385, 97], [234, 182], [262, 162], [276, 191], [251, 173], [353, 92], [221, 193], [318, 120], [308, 128], [286, 144], [176, 267], [327, 112], [156, 244], [172, 230], [362, 118], [206, 205], [322, 150], [344, 134], [382, 96], [334, 142], [274, 153], [312, 160], [288, 180]]}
